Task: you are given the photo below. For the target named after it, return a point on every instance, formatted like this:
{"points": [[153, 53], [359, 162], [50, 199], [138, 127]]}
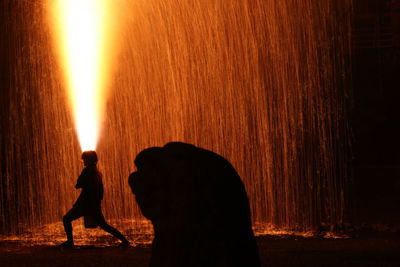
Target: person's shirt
{"points": [[90, 180]]}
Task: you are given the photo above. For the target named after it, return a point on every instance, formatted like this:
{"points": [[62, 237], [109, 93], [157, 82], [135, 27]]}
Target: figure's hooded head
{"points": [[89, 158]]}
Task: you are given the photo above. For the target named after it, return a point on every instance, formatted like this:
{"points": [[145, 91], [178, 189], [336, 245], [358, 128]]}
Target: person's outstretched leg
{"points": [[72, 214], [109, 229]]}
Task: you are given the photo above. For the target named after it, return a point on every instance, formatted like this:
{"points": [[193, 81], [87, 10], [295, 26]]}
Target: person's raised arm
{"points": [[81, 180]]}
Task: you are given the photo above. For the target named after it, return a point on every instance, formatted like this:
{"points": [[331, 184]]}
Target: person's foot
{"points": [[67, 244], [124, 244]]}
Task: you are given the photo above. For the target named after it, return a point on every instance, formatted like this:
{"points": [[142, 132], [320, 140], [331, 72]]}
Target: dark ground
{"points": [[368, 250]]}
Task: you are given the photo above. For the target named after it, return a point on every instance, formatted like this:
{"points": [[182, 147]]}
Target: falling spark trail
{"points": [[261, 82]]}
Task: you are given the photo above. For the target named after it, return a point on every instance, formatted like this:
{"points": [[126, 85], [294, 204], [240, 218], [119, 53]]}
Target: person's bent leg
{"points": [[72, 214], [109, 229]]}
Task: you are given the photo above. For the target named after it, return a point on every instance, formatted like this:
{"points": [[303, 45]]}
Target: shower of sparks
{"points": [[82, 37]]}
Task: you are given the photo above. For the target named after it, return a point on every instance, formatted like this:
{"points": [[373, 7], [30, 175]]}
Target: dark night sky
{"points": [[376, 95]]}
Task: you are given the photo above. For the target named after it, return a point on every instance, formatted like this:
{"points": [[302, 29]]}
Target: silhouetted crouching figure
{"points": [[198, 206], [88, 203]]}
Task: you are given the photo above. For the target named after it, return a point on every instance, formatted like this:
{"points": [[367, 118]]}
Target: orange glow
{"points": [[83, 37]]}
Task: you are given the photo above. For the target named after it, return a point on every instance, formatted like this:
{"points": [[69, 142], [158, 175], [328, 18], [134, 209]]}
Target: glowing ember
{"points": [[82, 35]]}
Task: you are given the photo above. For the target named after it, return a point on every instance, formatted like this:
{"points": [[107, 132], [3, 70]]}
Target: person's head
{"points": [[89, 157], [149, 157]]}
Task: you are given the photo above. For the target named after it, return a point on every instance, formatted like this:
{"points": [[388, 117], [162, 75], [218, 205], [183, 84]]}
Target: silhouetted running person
{"points": [[89, 201]]}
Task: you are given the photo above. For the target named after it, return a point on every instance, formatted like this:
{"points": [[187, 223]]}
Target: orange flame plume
{"points": [[83, 36]]}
